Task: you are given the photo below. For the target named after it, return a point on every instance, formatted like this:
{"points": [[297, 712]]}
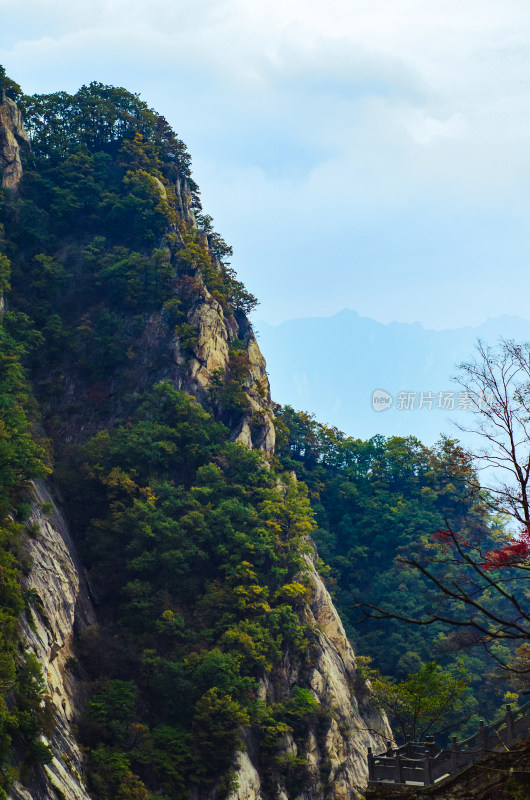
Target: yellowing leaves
{"points": [[295, 592], [252, 598]]}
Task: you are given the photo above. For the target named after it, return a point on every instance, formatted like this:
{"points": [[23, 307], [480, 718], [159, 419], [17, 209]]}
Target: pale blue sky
{"points": [[370, 154]]}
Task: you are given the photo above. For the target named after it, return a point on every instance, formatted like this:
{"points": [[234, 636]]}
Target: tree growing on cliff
{"points": [[8, 86]]}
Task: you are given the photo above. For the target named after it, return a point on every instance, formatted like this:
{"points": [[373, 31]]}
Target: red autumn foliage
{"points": [[446, 538], [515, 554], [443, 537]]}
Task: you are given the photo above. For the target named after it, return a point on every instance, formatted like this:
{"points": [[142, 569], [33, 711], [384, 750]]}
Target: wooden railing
{"points": [[423, 763]]}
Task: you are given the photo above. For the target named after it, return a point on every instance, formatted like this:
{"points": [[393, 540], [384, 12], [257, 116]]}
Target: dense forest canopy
{"points": [[378, 502]]}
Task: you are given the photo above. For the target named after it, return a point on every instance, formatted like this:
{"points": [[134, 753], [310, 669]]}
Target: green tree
{"points": [[7, 85], [426, 702]]}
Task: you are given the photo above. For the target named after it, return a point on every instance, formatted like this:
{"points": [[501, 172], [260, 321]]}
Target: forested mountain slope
{"points": [[382, 501], [191, 649]]}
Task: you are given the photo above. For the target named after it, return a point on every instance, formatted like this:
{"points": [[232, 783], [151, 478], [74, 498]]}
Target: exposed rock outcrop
{"points": [[12, 138], [337, 761], [336, 685], [62, 608], [161, 355], [210, 352]]}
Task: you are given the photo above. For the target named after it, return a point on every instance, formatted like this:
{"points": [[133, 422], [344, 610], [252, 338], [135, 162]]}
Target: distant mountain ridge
{"points": [[332, 365]]}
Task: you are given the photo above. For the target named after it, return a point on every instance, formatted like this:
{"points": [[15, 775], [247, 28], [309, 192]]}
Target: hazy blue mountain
{"points": [[332, 365]]}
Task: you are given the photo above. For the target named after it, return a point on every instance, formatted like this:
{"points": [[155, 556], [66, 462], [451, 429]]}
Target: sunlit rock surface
{"points": [[12, 137], [62, 608]]}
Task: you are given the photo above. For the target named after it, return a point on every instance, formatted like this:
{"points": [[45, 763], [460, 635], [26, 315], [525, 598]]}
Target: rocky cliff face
{"points": [[61, 610], [215, 333], [334, 681], [189, 364], [337, 760], [12, 138], [163, 356], [193, 366]]}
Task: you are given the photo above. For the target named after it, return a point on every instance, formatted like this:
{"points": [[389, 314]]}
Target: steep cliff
{"points": [[338, 760], [254, 426], [12, 137], [116, 321], [62, 609], [193, 364]]}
